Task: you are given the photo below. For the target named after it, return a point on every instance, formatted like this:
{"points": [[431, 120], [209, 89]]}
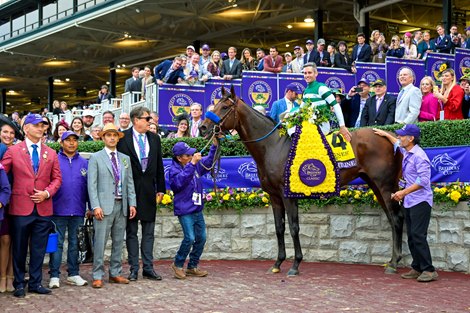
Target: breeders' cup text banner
{"points": [[369, 72], [175, 99], [395, 65], [259, 88], [447, 165], [213, 91], [462, 62], [336, 78], [435, 64]]}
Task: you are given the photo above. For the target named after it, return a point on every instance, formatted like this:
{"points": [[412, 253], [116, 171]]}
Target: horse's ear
{"points": [[223, 91], [232, 92]]}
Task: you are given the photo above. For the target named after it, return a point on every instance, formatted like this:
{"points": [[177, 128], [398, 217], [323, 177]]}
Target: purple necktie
{"points": [[116, 174]]}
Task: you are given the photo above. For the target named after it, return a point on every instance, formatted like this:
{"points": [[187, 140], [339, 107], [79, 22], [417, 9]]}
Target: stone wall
{"points": [[327, 234]]}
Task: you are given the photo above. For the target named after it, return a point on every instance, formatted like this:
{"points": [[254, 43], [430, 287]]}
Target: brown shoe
{"points": [[179, 273], [413, 274], [196, 272], [97, 283], [427, 277], [118, 280]]}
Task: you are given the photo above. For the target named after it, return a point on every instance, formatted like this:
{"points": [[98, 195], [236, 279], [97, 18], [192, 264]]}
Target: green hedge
{"points": [[434, 134]]}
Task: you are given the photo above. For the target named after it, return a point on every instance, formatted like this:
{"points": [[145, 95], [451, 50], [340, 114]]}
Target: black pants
{"points": [[146, 244], [417, 222]]}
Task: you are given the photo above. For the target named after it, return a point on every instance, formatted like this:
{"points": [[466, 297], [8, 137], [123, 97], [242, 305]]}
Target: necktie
{"points": [[194, 129], [115, 173], [35, 158], [141, 146], [400, 94], [379, 102]]}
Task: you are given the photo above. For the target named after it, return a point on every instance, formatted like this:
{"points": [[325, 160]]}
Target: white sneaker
{"points": [[54, 283], [76, 281]]}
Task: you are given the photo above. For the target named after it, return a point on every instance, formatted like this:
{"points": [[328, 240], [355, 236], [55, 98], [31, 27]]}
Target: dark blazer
{"points": [[147, 183], [443, 45], [133, 85], [422, 47], [343, 61], [310, 57], [326, 57], [465, 107], [161, 69], [365, 54], [102, 97], [397, 53], [385, 115], [351, 108], [235, 71]]}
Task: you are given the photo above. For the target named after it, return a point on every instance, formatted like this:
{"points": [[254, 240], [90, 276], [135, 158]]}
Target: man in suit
{"points": [[310, 53], [380, 109], [134, 84], [322, 57], [36, 178], [354, 103], [144, 150], [465, 84], [104, 94], [260, 57], [287, 103], [408, 100], [231, 68], [273, 61], [361, 51], [169, 72], [196, 119], [443, 41], [111, 192]]}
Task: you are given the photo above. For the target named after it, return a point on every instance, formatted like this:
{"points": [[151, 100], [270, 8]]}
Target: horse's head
{"points": [[223, 116]]}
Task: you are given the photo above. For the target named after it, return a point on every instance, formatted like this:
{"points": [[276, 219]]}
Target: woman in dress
{"points": [[379, 47], [429, 105], [146, 80], [425, 46], [450, 96], [215, 65], [248, 62], [411, 52], [182, 123]]}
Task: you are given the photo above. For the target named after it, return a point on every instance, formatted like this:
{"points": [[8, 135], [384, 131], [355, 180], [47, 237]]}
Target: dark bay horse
{"points": [[376, 164]]}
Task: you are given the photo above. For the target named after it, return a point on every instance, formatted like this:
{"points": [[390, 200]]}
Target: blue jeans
{"points": [[194, 230], [71, 224]]}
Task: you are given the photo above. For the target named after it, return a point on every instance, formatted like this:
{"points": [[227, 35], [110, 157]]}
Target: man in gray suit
{"points": [[408, 100], [111, 191]]}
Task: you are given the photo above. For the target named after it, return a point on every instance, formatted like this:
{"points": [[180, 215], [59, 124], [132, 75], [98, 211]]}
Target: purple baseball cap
{"points": [[409, 130], [365, 81], [310, 41], [181, 148], [294, 87], [296, 47], [205, 47], [67, 134], [32, 118]]}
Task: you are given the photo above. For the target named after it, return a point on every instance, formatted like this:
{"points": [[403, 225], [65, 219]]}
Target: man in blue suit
{"points": [[309, 56], [286, 103], [354, 103], [169, 72], [443, 41], [361, 51]]}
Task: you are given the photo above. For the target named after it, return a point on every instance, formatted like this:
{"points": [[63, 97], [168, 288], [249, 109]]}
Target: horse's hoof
{"points": [[390, 270], [292, 273], [274, 270]]}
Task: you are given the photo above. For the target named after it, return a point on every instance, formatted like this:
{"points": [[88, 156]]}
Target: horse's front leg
{"points": [[396, 221], [279, 222], [293, 217]]}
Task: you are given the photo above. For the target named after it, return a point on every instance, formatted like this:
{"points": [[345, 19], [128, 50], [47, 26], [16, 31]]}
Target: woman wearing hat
{"points": [[411, 52], [182, 124]]}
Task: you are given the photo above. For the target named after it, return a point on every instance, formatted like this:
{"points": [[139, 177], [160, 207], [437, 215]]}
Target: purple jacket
{"points": [[72, 196], [185, 181], [5, 190]]}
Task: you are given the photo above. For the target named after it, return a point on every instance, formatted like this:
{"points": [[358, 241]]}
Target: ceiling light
{"points": [[67, 79], [308, 19], [289, 26], [404, 20], [287, 45], [107, 83], [11, 91], [8, 103], [57, 80], [235, 5], [123, 65]]}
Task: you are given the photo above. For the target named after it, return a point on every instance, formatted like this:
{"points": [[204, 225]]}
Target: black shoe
{"points": [[19, 293], [133, 276], [40, 290], [151, 275]]}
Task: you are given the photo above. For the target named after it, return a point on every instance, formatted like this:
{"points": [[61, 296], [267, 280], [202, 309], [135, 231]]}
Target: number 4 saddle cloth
{"points": [[314, 161]]}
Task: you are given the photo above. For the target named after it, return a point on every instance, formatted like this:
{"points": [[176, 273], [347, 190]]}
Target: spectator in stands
{"points": [[56, 108], [465, 85], [378, 47], [124, 121], [298, 62], [443, 41], [205, 58], [196, 120], [48, 137], [287, 103], [169, 72], [410, 48], [287, 68], [273, 61], [64, 107], [182, 124], [95, 132], [193, 72], [60, 128], [429, 110], [342, 58], [395, 50], [88, 117], [331, 49], [450, 96], [248, 62], [190, 51], [15, 118], [133, 84], [409, 98], [77, 128], [260, 59], [184, 61], [153, 128], [108, 117], [361, 51], [417, 37], [464, 41], [161, 131], [354, 103], [103, 94], [231, 68], [215, 65], [454, 36], [425, 46], [379, 109], [310, 53], [69, 209], [146, 80], [321, 57]]}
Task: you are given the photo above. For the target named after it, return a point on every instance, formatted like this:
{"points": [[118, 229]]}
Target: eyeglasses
{"points": [[147, 118]]}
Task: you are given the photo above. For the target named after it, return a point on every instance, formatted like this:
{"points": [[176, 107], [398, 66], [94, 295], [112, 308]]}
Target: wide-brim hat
{"points": [[110, 127]]}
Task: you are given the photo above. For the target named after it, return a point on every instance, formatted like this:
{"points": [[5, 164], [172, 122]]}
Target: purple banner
{"points": [[434, 64], [462, 62], [213, 92], [370, 71], [395, 65], [175, 99], [336, 78], [259, 88], [448, 164]]}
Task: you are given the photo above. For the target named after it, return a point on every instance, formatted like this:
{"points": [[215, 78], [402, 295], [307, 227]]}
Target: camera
{"points": [[358, 89]]}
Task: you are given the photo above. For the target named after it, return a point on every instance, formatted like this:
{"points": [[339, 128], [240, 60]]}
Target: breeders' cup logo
{"points": [[216, 95], [409, 68], [335, 83], [464, 66], [260, 93], [221, 175], [249, 171], [445, 165], [179, 104], [312, 172], [370, 76]]}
